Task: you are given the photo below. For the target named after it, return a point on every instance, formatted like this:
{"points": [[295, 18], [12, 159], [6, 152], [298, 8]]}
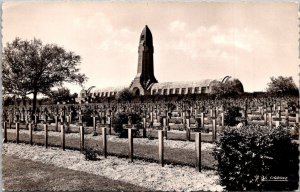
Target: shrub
{"points": [[249, 156], [230, 117], [122, 118], [90, 154]]}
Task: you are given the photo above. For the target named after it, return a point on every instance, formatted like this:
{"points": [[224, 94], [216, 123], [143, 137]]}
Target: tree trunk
{"points": [[34, 103]]}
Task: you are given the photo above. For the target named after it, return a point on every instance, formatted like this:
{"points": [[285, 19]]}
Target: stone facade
{"points": [[144, 78], [145, 82]]}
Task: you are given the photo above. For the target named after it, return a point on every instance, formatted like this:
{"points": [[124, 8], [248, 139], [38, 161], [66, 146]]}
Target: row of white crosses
{"points": [[208, 102], [134, 107], [154, 113], [161, 135]]}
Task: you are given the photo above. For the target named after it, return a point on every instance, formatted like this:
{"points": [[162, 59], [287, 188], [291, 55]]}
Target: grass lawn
{"points": [[145, 152], [181, 136], [26, 175]]}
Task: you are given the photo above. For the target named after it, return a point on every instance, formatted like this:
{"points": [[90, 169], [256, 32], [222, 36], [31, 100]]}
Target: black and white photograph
{"points": [[150, 95]]}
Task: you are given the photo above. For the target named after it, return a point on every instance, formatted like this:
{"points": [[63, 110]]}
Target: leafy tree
{"points": [[60, 95], [124, 95], [228, 88], [29, 67], [282, 85]]}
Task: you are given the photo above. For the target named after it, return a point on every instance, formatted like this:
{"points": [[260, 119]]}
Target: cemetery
{"points": [[207, 134], [218, 134], [177, 134]]}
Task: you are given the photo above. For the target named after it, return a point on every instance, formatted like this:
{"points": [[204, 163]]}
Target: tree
{"points": [[60, 95], [228, 88], [29, 67], [124, 95], [282, 85]]}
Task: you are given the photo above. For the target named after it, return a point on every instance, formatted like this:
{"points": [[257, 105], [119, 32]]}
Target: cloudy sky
{"points": [[192, 41]]}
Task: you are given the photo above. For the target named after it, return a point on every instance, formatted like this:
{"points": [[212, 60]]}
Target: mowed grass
{"points": [[26, 175], [180, 136], [144, 152]]}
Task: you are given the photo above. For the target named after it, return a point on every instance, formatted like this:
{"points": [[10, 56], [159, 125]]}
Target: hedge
{"points": [[252, 157]]}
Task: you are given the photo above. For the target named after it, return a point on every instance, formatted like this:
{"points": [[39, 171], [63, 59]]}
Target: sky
{"points": [[192, 41]]}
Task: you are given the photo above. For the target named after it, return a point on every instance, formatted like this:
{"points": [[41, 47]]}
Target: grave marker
{"points": [[287, 117], [56, 122], [5, 131], [80, 116], [151, 117], [81, 129], [30, 133], [104, 138], [130, 140], [161, 147], [265, 119], [198, 150], [165, 128], [46, 134], [62, 128], [214, 130], [188, 130], [129, 120], [144, 128], [222, 120], [202, 120], [270, 119], [17, 132], [36, 118], [94, 115]]}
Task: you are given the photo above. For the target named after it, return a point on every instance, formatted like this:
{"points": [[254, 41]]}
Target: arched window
{"points": [[159, 91], [183, 91], [165, 92]]}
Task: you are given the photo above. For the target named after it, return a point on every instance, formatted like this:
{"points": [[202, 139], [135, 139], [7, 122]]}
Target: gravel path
{"points": [[145, 174], [143, 141]]}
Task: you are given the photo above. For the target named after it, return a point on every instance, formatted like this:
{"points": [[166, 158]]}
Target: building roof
{"points": [[182, 84], [146, 37], [108, 89]]}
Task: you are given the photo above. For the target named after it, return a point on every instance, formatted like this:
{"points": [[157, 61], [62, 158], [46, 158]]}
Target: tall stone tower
{"points": [[145, 73]]}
